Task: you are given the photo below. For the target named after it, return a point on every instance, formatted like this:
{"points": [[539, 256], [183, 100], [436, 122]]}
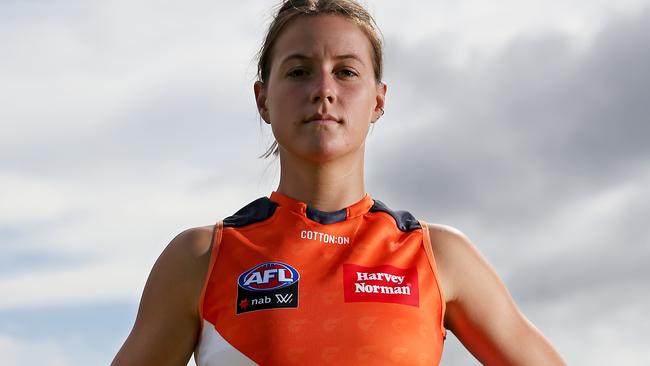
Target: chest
{"points": [[353, 294]]}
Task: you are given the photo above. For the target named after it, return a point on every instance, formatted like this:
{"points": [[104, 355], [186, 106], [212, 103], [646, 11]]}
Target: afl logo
{"points": [[268, 276]]}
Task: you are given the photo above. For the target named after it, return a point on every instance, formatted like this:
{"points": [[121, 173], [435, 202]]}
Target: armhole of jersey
{"points": [[428, 248], [214, 252]]}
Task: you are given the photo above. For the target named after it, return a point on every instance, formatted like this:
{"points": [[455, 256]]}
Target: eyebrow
{"points": [[300, 56]]}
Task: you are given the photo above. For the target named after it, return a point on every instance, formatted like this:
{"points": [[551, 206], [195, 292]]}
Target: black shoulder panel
{"points": [[256, 211], [326, 218], [404, 220]]}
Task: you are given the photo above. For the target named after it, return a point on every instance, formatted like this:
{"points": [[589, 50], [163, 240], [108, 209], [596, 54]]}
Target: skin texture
{"points": [[323, 66]]}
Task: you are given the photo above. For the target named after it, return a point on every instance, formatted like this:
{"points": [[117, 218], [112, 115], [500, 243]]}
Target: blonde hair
{"points": [[290, 10]]}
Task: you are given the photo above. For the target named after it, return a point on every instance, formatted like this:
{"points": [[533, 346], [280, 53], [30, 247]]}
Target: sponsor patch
{"points": [[381, 284], [324, 237], [269, 285]]}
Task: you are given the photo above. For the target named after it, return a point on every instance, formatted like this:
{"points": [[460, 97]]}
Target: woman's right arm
{"points": [[167, 325]]}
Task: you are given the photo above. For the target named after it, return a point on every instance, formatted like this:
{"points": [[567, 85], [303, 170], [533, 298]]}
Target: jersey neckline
{"points": [[358, 208]]}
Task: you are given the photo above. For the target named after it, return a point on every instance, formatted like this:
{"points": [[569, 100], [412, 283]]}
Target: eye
{"points": [[297, 73], [347, 73]]}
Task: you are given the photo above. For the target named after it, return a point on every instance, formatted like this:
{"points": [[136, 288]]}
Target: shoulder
{"points": [[168, 320], [182, 266], [477, 300], [187, 256], [456, 257], [191, 243], [446, 234]]}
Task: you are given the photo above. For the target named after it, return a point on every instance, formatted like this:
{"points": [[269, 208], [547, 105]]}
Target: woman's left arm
{"points": [[479, 309]]}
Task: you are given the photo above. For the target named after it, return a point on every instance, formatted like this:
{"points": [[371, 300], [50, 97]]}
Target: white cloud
{"points": [[17, 352], [477, 30], [97, 283], [113, 231], [24, 199]]}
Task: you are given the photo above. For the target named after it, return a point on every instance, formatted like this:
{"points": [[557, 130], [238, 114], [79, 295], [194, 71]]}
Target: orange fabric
{"points": [[367, 293], [429, 250]]}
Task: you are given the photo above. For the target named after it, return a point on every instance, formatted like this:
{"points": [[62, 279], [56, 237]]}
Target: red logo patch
{"points": [[381, 284]]}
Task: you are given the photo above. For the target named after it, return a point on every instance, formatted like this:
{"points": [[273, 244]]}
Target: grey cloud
{"points": [[538, 123], [612, 262], [503, 146], [188, 127]]}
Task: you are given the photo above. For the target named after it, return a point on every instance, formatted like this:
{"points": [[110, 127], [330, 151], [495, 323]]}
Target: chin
{"points": [[322, 150], [325, 154]]}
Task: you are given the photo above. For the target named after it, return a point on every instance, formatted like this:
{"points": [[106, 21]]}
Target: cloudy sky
{"points": [[523, 123]]}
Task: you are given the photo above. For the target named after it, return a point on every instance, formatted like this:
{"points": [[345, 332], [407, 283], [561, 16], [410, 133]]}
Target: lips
{"points": [[323, 118]]}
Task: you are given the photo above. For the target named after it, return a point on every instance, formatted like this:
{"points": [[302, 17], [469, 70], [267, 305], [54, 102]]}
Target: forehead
{"points": [[323, 35]]}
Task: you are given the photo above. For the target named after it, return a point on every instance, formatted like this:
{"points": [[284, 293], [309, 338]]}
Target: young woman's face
{"points": [[321, 96]]}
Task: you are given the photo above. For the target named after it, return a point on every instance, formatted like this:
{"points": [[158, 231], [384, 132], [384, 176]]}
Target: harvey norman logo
{"points": [[381, 284]]}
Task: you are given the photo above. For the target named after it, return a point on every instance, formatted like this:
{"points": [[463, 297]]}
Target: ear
{"points": [[380, 100], [260, 100]]}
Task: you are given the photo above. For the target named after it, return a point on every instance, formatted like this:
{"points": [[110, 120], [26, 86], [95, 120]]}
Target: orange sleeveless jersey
{"points": [[291, 285]]}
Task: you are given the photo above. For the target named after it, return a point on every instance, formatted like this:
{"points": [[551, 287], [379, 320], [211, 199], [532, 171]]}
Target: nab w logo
{"points": [[283, 299]]}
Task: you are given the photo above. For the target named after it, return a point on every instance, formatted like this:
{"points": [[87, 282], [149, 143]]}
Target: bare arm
{"points": [[480, 311], [167, 324]]}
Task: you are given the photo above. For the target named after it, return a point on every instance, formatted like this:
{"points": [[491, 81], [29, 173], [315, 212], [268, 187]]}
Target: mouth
{"points": [[322, 119]]}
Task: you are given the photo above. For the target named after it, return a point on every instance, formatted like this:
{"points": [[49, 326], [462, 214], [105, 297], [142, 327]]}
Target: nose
{"points": [[324, 89]]}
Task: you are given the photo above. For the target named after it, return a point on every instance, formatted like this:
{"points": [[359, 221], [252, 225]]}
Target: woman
{"points": [[320, 272]]}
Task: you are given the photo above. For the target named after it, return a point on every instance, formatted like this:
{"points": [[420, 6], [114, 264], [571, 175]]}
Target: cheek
{"points": [[360, 102], [283, 96]]}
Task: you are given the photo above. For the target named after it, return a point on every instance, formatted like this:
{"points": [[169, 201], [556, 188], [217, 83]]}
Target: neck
{"points": [[325, 186]]}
